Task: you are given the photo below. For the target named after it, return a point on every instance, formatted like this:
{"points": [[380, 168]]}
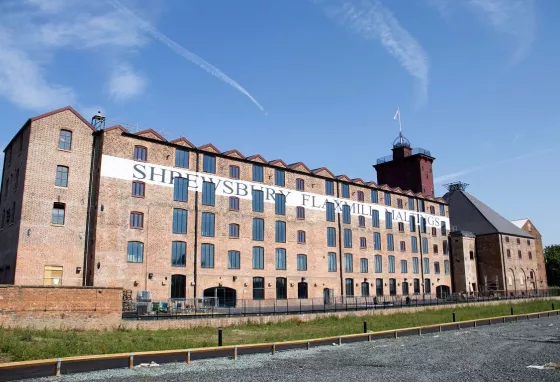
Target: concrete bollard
{"points": [[235, 353], [273, 348], [58, 367], [131, 361], [188, 356]]}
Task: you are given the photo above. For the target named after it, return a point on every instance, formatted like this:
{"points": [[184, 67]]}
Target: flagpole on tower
{"points": [[398, 114]]}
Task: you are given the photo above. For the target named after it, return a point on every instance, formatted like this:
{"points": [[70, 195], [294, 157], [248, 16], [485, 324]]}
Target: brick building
{"points": [[111, 208], [528, 226], [505, 256]]}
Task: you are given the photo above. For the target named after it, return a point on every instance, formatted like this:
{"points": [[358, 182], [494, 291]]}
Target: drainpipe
{"points": [[195, 276]]}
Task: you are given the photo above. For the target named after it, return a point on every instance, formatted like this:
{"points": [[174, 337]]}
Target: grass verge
{"points": [[24, 344]]}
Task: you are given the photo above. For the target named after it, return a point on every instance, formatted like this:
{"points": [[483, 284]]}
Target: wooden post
{"points": [[58, 367], [131, 361]]}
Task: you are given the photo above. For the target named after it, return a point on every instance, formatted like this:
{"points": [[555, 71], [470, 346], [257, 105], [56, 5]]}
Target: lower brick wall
{"points": [[231, 321], [40, 307]]}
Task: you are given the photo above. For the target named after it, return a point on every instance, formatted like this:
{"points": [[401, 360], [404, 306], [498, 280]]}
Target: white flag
{"points": [[396, 114]]}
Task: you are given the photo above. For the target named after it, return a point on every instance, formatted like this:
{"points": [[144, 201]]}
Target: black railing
{"points": [[204, 308]]}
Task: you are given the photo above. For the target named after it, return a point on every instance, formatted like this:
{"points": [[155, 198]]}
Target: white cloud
{"points": [[23, 82], [372, 20], [125, 83], [34, 32], [514, 19]]}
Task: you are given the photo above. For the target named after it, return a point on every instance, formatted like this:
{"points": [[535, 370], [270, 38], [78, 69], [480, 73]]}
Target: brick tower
{"points": [[407, 168]]}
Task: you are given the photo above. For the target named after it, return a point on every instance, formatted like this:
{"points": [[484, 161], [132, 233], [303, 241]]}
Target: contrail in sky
{"points": [[200, 62]]}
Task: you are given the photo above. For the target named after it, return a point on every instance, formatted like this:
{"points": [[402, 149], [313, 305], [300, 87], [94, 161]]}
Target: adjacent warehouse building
{"points": [[489, 252], [83, 205]]}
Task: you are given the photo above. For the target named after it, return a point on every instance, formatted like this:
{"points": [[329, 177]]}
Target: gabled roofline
{"points": [[207, 146], [183, 139], [151, 131], [116, 127], [256, 156], [318, 170], [276, 163], [294, 165], [234, 151]]}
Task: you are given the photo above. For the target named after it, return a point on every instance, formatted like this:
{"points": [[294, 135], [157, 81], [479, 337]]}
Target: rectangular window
{"points": [[445, 248], [301, 262], [330, 211], [345, 190], [347, 238], [209, 163], [234, 172], [364, 265], [279, 177], [258, 258], [280, 231], [179, 254], [375, 218], [390, 242], [399, 203], [300, 213], [404, 266], [423, 225], [234, 259], [181, 158], [377, 241], [412, 220], [136, 220], [234, 231], [234, 203], [331, 237], [300, 184], [414, 244], [363, 242], [329, 187], [258, 173], [301, 237], [280, 259], [415, 265], [446, 267], [426, 266], [374, 196], [435, 249], [61, 177], [378, 264], [346, 217], [434, 231], [52, 275], [135, 252], [258, 201], [388, 220], [65, 140], [421, 205], [387, 198], [332, 261], [258, 229], [443, 229], [349, 286], [180, 189], [441, 210], [360, 196], [411, 204], [207, 224], [58, 213], [258, 288], [425, 248], [207, 256], [348, 262], [140, 153], [391, 264], [403, 246], [208, 194], [392, 287], [138, 189], [401, 227], [280, 204], [436, 268]]}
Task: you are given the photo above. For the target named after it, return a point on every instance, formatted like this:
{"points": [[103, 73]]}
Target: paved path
{"points": [[491, 353]]}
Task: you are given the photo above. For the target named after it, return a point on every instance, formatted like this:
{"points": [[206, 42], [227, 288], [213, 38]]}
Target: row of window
{"points": [[209, 166], [519, 255], [135, 254], [12, 177], [8, 216], [518, 241]]}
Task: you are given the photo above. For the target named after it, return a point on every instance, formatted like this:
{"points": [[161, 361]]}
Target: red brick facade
{"points": [[103, 236]]}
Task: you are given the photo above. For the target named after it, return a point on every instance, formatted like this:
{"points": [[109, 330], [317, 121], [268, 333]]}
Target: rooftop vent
{"points": [[456, 186]]}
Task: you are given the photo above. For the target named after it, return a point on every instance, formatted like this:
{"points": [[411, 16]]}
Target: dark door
{"points": [[281, 288], [416, 286], [178, 286], [227, 297], [405, 288], [327, 294], [302, 290], [365, 289]]}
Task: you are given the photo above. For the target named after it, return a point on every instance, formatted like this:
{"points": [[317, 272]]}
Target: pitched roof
{"points": [[519, 223], [467, 213]]}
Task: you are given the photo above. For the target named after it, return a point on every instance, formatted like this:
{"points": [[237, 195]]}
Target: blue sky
{"points": [[316, 81]]}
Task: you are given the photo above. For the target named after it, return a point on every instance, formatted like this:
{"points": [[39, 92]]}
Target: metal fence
{"points": [[213, 307]]}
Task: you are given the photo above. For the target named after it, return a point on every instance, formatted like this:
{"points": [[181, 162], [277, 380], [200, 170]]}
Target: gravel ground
{"points": [[501, 352]]}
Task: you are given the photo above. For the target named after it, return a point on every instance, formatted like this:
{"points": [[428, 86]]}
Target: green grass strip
{"points": [[24, 344]]}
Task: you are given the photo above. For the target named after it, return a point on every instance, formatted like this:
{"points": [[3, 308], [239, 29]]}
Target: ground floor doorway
{"points": [[227, 297]]}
